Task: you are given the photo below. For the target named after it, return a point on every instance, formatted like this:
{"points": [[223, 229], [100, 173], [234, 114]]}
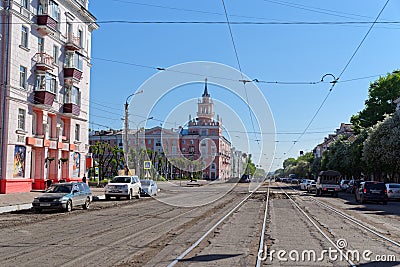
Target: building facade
{"points": [[45, 84]]}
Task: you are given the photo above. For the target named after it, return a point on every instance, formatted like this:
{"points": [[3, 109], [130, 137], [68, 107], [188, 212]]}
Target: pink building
{"points": [[45, 82], [204, 138]]}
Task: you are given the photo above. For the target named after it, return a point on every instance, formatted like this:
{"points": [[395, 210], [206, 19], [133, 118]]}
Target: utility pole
{"points": [[126, 127]]}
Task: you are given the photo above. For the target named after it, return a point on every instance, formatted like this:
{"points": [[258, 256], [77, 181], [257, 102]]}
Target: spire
{"points": [[205, 94]]}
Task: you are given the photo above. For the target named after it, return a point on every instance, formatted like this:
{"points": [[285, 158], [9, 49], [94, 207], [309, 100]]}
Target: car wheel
{"points": [[117, 198], [138, 194], [129, 197], [108, 197], [336, 194], [362, 200], [87, 203], [355, 197], [68, 206], [384, 202]]}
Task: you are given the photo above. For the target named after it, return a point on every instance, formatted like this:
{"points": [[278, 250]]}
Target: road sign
{"points": [[96, 170], [147, 164]]}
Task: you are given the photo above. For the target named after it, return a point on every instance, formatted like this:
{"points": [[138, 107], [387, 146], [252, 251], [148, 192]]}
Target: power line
{"points": [[336, 79]]}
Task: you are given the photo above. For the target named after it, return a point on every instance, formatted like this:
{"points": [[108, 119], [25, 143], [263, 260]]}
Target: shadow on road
{"points": [[210, 257]]}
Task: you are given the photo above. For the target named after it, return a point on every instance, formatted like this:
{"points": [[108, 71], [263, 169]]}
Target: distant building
{"points": [[345, 129], [45, 52]]}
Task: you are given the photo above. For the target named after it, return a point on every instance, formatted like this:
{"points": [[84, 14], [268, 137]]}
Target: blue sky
{"points": [[126, 55]]}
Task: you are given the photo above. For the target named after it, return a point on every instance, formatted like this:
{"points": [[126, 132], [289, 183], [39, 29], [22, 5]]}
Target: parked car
{"points": [[123, 186], [303, 184], [372, 191], [149, 188], [393, 191], [64, 196], [344, 184]]}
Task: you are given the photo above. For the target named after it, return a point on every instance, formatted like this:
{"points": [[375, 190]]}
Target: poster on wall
{"points": [[19, 161], [76, 164]]}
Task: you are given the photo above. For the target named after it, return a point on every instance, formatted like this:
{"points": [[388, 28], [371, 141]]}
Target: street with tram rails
{"points": [[256, 224]]}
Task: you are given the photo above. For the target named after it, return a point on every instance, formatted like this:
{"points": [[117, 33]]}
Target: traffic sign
{"points": [[147, 164]]}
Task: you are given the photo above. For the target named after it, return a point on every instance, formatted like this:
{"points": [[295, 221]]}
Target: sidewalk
{"points": [[23, 201]]}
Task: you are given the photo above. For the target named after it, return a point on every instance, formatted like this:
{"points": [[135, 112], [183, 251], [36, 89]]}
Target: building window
{"points": [[21, 119], [72, 95], [22, 77], [40, 45], [46, 82], [191, 142], [24, 3], [149, 142], [34, 122], [55, 53], [74, 60], [24, 36], [183, 141], [80, 36], [77, 132]]}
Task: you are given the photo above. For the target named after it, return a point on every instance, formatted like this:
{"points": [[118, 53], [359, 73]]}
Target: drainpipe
{"points": [[5, 85]]}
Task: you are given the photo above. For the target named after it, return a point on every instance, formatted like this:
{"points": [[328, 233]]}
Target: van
{"points": [[328, 182]]}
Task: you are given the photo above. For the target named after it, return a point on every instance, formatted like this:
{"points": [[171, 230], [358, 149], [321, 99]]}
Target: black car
{"points": [[372, 191], [64, 196]]}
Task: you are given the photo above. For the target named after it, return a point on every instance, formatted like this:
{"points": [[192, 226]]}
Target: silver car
{"points": [[64, 196], [149, 188], [393, 191]]}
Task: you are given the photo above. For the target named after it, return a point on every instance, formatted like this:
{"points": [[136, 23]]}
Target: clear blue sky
{"points": [[125, 55]]}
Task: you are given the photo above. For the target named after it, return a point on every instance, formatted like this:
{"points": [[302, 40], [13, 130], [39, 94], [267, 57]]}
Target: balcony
{"points": [[73, 43], [46, 24], [72, 75], [42, 97], [71, 108], [44, 62]]}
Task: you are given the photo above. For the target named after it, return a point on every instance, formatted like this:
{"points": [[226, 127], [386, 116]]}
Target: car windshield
{"points": [[62, 188], [394, 185], [380, 186], [145, 182], [121, 179]]}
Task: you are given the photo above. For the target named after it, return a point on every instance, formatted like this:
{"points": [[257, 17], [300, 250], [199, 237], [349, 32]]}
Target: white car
{"points": [[393, 191], [123, 186], [304, 183]]}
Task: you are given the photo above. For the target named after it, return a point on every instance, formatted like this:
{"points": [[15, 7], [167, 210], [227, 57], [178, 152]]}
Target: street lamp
{"points": [[137, 168], [126, 127]]}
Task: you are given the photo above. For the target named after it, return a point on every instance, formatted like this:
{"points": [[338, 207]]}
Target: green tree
{"points": [[381, 94], [381, 150]]}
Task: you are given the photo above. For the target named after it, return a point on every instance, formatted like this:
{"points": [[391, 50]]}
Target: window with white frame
{"points": [[77, 132], [22, 77], [55, 53], [21, 119], [24, 36], [74, 60], [46, 82], [72, 95]]}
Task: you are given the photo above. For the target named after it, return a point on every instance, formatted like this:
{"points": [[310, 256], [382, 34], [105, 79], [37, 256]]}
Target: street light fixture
{"points": [[126, 127]]}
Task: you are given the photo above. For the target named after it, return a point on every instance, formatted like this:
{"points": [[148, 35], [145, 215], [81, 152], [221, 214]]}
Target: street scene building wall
{"points": [[45, 89]]}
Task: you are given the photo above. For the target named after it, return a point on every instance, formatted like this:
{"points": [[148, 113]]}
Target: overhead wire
{"points": [[336, 79]]}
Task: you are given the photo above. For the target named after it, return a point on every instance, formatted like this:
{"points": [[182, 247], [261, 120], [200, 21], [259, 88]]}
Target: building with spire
{"points": [[204, 140]]}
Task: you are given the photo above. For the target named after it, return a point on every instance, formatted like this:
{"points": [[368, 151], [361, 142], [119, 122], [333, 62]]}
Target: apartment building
{"points": [[45, 84]]}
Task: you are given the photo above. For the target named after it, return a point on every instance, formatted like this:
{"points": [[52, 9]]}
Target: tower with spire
{"points": [[200, 132]]}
